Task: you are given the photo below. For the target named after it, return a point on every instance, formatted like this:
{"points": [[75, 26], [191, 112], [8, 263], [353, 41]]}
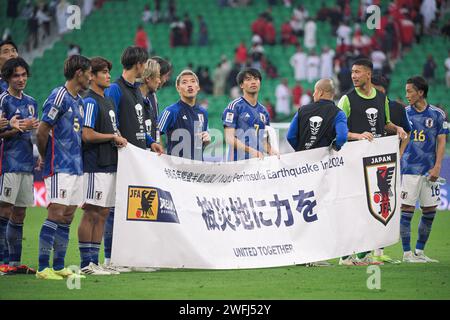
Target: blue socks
{"points": [[4, 254], [85, 253], [46, 239], [95, 249], [89, 253], [405, 230], [60, 245], [108, 234], [426, 221], [424, 229], [14, 233]]}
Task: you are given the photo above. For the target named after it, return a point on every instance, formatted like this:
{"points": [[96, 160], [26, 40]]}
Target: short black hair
{"points": [[164, 66], [133, 55], [5, 42], [251, 71], [363, 62], [420, 84], [74, 63], [10, 66], [100, 63], [379, 80]]}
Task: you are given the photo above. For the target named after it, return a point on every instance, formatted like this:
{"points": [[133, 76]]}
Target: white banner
{"points": [[304, 207]]}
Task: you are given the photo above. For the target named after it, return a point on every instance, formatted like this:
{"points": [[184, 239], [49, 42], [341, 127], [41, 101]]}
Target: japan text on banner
{"points": [[306, 206]]}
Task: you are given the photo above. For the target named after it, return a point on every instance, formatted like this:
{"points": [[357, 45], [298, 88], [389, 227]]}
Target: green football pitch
{"points": [[403, 281]]}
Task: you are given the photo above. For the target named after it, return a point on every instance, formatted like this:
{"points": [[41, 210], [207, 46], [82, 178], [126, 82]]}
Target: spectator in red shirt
{"points": [[287, 34], [297, 92], [259, 26], [269, 33], [270, 109], [241, 53], [141, 39]]}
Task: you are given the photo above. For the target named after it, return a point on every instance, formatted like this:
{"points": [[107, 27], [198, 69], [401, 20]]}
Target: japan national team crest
{"points": [[380, 175], [81, 110], [31, 110], [263, 117], [429, 123]]}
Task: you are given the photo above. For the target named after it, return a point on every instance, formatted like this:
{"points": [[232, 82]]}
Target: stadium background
{"points": [[107, 31]]}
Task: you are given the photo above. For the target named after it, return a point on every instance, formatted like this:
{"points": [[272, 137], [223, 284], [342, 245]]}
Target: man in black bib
{"points": [[156, 73], [131, 119], [100, 142], [367, 111], [128, 100], [366, 108], [319, 124]]}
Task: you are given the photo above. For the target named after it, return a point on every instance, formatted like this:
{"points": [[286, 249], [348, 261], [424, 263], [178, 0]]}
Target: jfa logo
{"points": [[150, 204]]}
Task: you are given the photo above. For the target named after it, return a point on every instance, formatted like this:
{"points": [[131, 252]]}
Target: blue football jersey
{"points": [[420, 154], [3, 85], [64, 150], [182, 116], [17, 151], [249, 122]]}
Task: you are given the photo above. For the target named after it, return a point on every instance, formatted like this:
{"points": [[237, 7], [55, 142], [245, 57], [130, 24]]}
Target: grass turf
{"points": [[404, 281]]}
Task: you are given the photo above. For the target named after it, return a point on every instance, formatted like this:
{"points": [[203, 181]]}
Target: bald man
{"points": [[319, 124]]}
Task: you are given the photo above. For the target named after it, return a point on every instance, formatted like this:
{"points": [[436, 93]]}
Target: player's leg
{"points": [[54, 233], [73, 185], [429, 200], [97, 235], [47, 239], [14, 233], [8, 194], [85, 230], [62, 240], [102, 198], [409, 195], [86, 226], [108, 236], [5, 212]]}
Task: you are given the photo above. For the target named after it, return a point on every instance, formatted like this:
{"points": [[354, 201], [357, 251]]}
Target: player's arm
{"points": [[206, 138], [440, 152], [14, 126], [407, 127], [292, 133], [51, 113], [153, 145], [267, 146], [42, 137], [3, 121], [389, 126], [404, 144], [235, 143], [340, 125], [89, 135], [115, 94]]}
